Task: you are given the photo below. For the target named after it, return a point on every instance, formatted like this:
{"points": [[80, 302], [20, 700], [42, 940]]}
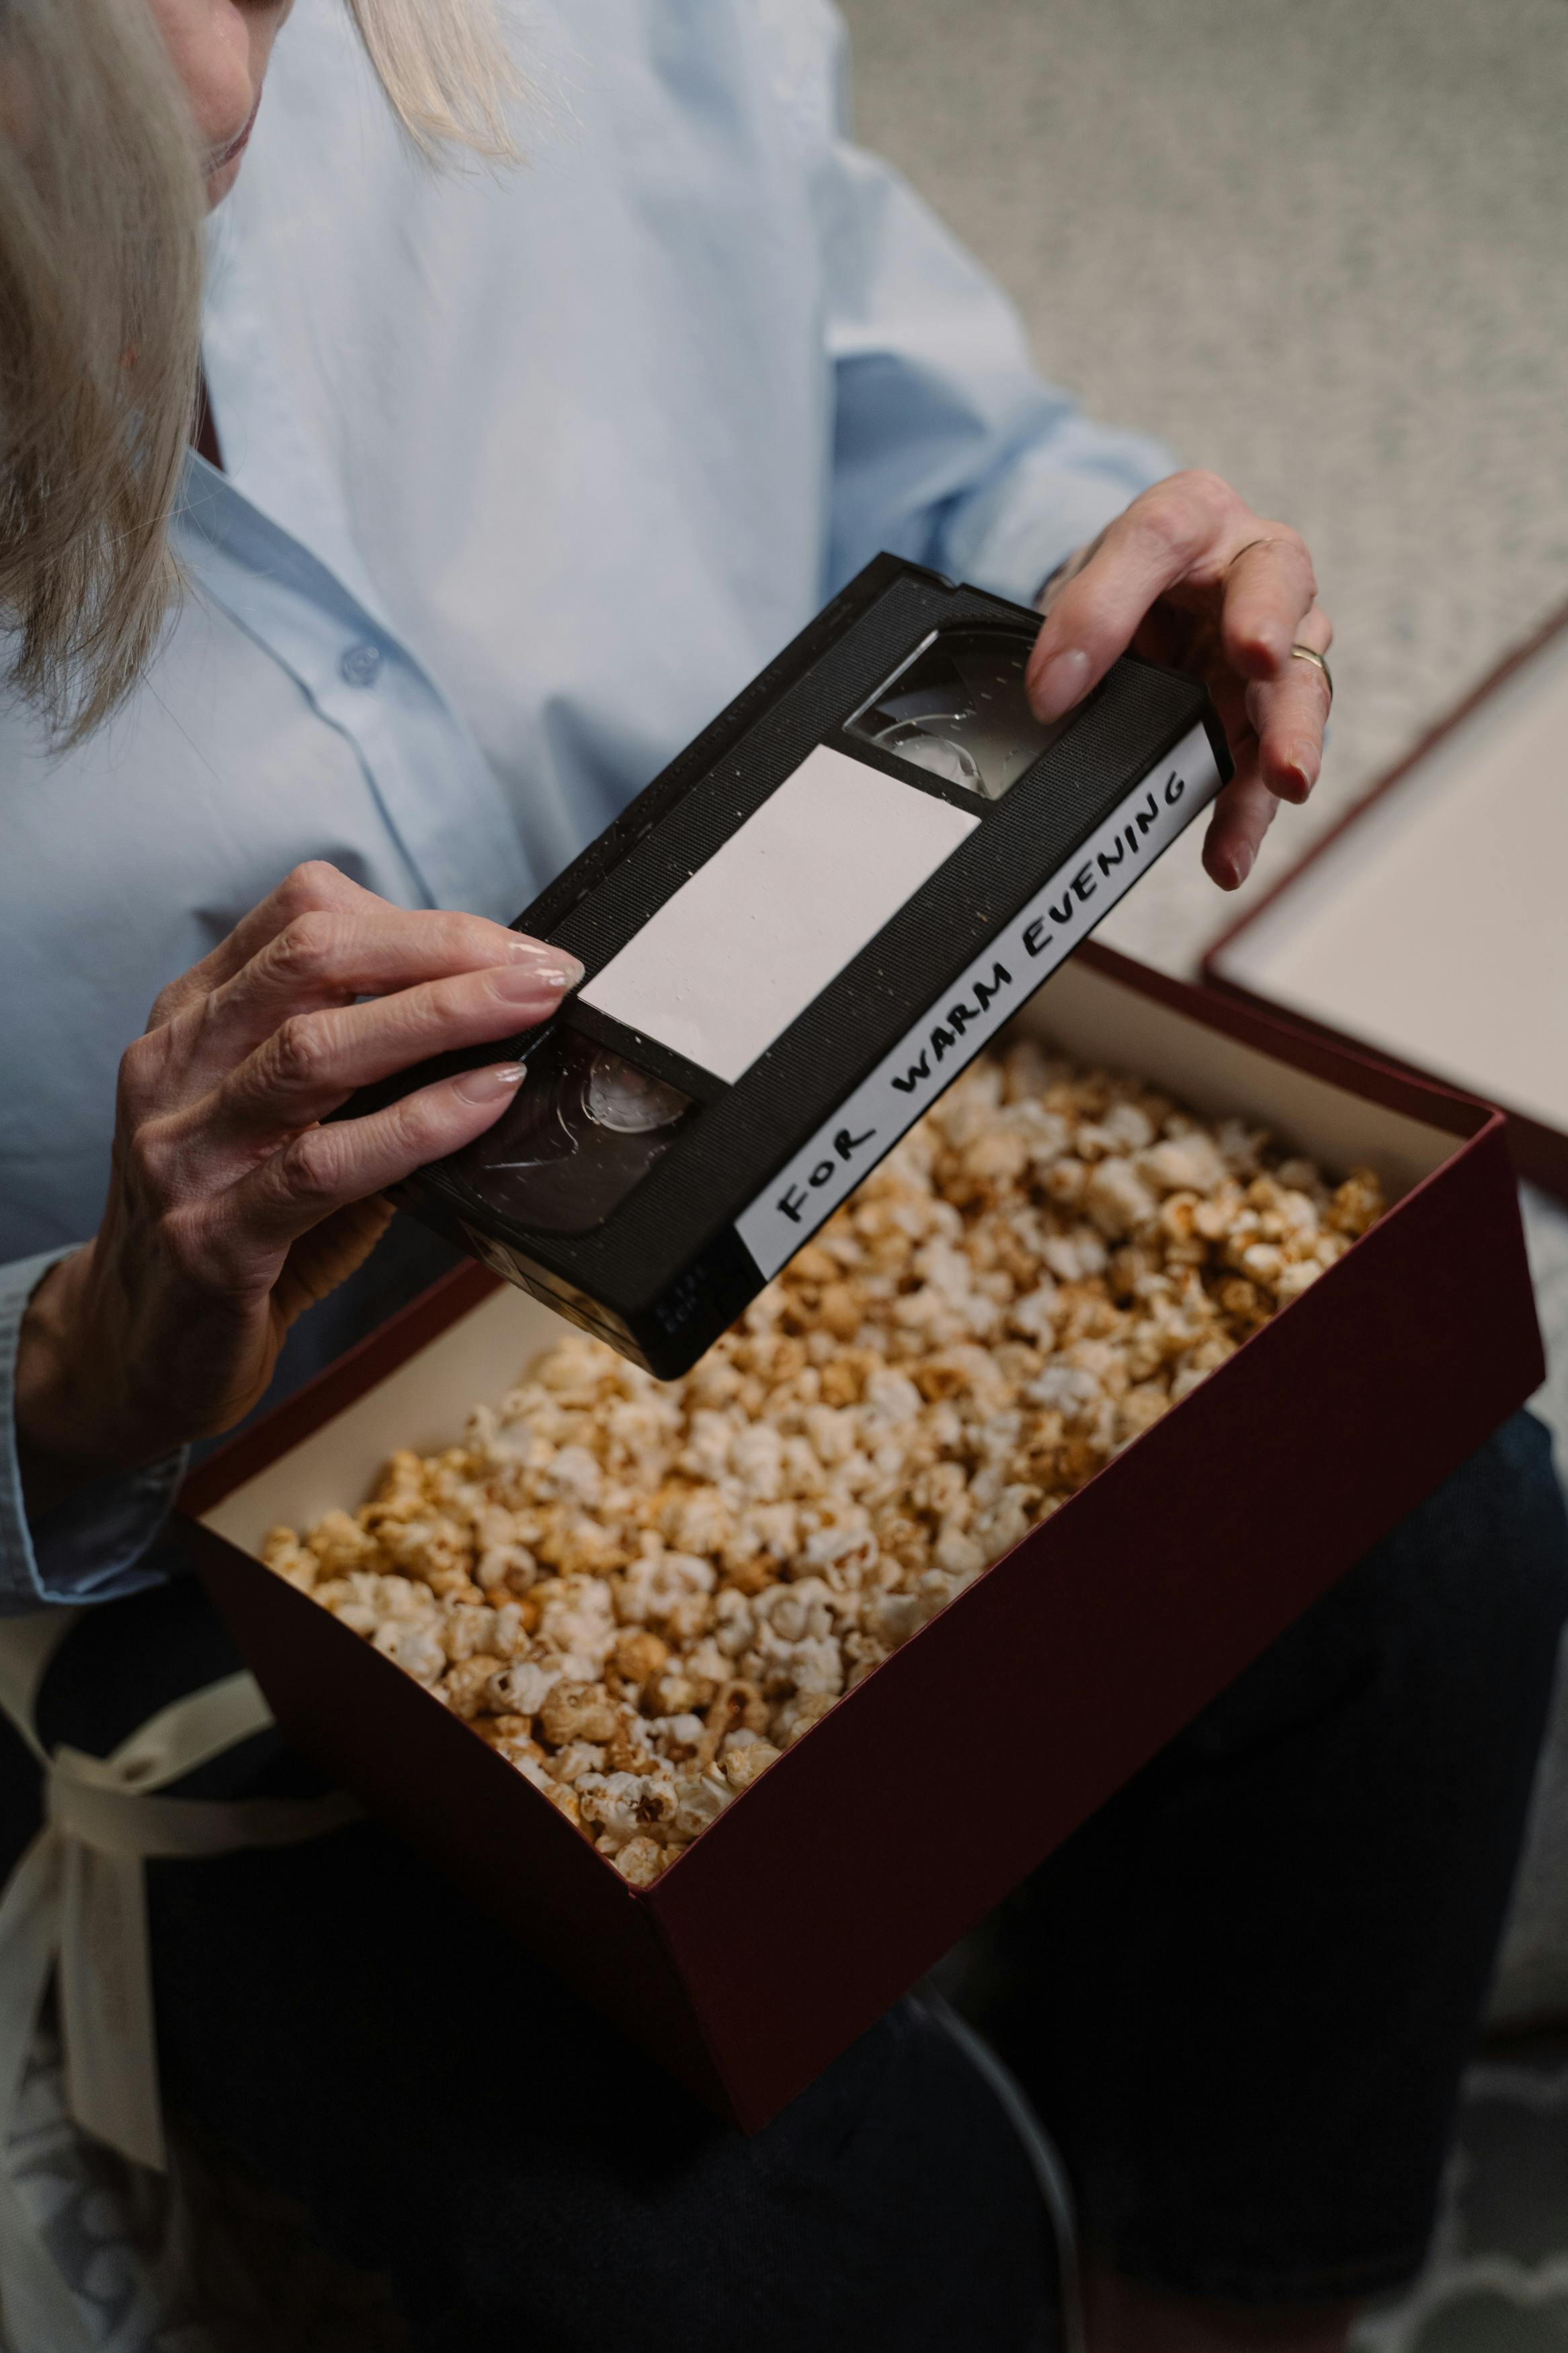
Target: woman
{"points": [[220, 1101], [517, 485]]}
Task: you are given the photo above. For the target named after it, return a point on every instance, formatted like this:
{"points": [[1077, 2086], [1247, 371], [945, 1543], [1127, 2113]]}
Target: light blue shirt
{"points": [[526, 475]]}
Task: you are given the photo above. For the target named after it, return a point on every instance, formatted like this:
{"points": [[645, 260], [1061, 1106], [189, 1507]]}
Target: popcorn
{"points": [[1118, 1199], [624, 1806], [641, 1860], [467, 1630], [576, 1712], [637, 1657], [524, 1686], [668, 1589], [1357, 1204], [418, 1649], [564, 1800], [465, 1687], [796, 1716], [288, 1558], [639, 1594], [698, 1802], [743, 1764]]}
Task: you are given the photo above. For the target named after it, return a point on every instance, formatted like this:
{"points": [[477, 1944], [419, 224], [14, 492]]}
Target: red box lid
{"points": [[1430, 924]]}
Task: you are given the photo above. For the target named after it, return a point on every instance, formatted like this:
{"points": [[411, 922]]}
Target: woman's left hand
{"points": [[1189, 576]]}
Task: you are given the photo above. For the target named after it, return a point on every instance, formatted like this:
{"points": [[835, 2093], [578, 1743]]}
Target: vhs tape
{"points": [[792, 941]]}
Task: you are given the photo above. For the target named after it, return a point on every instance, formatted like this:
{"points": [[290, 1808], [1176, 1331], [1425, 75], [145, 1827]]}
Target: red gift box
{"points": [[830, 1885]]}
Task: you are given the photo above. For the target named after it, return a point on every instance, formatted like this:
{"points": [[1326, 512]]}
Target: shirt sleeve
{"points": [[950, 448], [91, 1546]]}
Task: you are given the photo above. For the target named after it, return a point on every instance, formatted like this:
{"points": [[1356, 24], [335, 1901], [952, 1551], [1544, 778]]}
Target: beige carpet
{"points": [[1322, 249]]}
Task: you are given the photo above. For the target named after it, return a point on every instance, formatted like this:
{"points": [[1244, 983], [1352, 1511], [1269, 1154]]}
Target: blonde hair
{"points": [[101, 205]]}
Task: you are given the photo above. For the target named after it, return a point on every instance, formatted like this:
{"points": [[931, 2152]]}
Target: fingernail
{"points": [[522, 983], [1060, 683], [484, 1086], [545, 956], [1240, 866]]}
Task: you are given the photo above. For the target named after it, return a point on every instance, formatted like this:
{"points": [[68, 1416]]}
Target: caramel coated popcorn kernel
{"points": [[640, 1593]]}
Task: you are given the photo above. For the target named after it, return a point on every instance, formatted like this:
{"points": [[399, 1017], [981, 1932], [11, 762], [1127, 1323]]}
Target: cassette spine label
{"points": [[968, 1016]]}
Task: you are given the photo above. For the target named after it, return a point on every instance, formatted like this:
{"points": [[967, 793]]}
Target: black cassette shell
{"points": [[666, 1271]]}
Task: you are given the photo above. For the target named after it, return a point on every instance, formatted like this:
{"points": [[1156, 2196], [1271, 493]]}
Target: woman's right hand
{"points": [[231, 1208]]}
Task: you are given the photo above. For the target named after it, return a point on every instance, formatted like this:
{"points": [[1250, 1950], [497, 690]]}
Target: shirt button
{"points": [[360, 665]]}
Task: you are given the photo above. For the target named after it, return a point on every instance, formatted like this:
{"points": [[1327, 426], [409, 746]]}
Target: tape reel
{"points": [[956, 707], [585, 1127]]}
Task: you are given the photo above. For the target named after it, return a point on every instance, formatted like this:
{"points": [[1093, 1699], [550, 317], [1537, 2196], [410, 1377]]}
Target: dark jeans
{"points": [[1241, 1995]]}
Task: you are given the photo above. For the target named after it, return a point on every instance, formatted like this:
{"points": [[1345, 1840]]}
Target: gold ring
{"points": [[1308, 653]]}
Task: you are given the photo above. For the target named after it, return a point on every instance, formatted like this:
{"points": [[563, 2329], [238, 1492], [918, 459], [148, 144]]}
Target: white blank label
{"points": [[744, 947]]}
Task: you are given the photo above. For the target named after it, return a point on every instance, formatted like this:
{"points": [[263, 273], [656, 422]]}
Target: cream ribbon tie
{"points": [[75, 1907]]}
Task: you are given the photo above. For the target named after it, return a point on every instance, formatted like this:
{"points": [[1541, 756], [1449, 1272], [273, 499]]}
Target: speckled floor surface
{"points": [[1324, 250]]}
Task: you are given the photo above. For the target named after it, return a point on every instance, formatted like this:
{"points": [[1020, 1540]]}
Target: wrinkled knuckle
{"points": [[166, 1004], [144, 1156], [462, 943], [311, 884], [311, 1166], [140, 1057], [412, 1130], [206, 1027], [1282, 543], [140, 1077], [297, 1053], [304, 950], [1207, 498], [421, 1128], [1175, 523], [1286, 535], [1203, 483]]}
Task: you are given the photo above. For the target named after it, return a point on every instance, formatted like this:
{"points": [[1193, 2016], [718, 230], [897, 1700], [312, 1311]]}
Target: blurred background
{"points": [[1324, 250], [1321, 249]]}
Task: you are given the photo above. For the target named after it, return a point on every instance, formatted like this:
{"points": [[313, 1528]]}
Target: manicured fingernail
{"points": [[522, 983], [484, 1086], [546, 952], [1060, 683]]}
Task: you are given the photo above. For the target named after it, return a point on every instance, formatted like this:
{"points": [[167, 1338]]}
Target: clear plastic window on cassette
{"points": [[957, 709]]}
